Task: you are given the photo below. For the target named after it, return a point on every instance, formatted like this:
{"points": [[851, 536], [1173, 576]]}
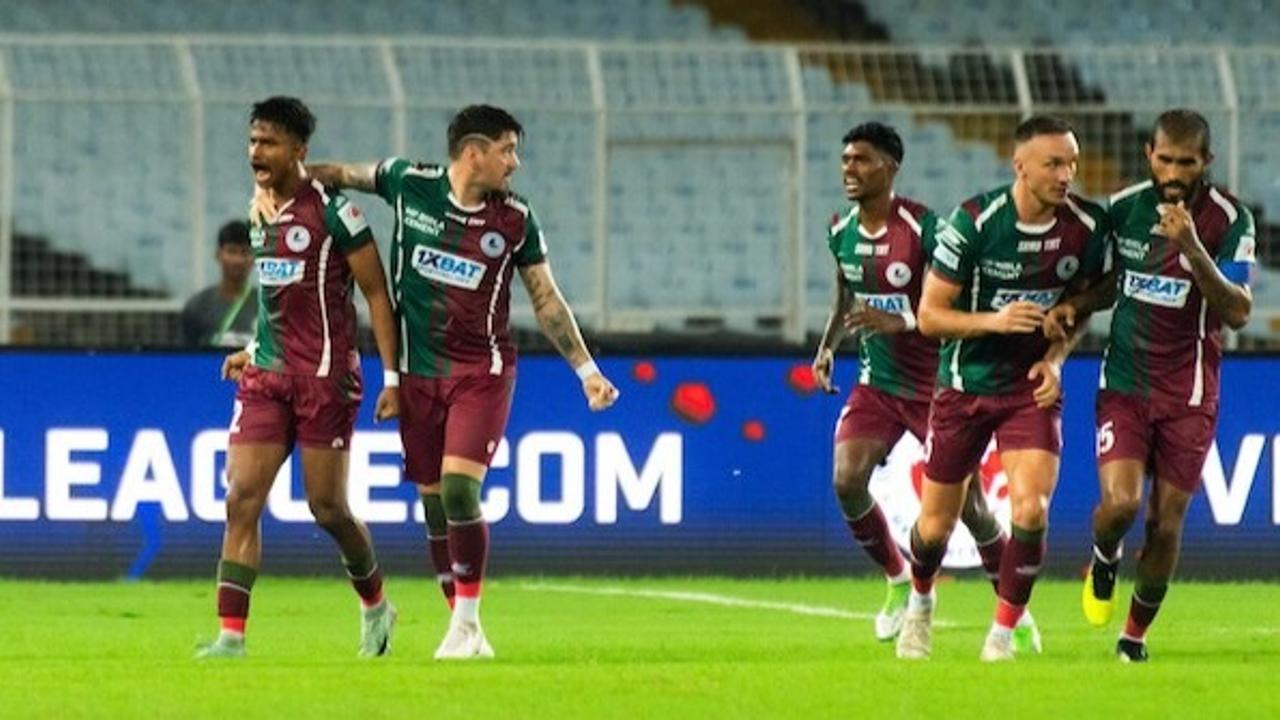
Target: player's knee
{"points": [[328, 512], [244, 506], [935, 529], [851, 480], [460, 496], [1030, 512], [1123, 506], [1166, 531]]}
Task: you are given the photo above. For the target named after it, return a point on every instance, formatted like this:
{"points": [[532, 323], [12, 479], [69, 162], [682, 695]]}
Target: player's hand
{"points": [[1177, 224], [1060, 321], [388, 405], [262, 210], [234, 364], [823, 364], [601, 394], [865, 317], [1050, 388], [1019, 317]]}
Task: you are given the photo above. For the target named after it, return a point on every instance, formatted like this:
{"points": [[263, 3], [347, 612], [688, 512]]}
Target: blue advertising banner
{"points": [[114, 465]]}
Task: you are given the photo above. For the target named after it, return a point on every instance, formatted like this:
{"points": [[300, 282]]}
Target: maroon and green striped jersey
{"points": [[451, 269], [306, 316], [1165, 341], [997, 259], [886, 270]]}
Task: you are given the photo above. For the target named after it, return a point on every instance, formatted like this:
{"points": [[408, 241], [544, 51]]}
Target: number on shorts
{"points": [[235, 416], [1106, 437]]}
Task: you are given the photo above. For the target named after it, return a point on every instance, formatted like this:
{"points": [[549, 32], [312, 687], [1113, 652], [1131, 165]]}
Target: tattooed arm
{"points": [[558, 324]]}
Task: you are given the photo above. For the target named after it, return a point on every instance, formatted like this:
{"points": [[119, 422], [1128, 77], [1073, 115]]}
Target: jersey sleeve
{"points": [[929, 222], [347, 225], [388, 178], [1238, 253], [533, 249], [1097, 252], [955, 244]]}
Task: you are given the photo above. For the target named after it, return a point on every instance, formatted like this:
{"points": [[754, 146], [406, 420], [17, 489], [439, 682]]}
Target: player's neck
{"points": [[1030, 209], [873, 212], [283, 191], [465, 193]]}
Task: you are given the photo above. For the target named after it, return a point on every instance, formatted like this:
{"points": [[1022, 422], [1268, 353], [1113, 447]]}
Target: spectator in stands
{"points": [[223, 315]]}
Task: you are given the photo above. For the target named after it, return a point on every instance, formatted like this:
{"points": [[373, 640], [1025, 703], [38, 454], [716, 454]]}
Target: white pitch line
{"points": [[711, 599]]}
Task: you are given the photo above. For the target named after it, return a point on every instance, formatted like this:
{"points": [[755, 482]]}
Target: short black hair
{"points": [[480, 120], [1182, 125], [289, 113], [879, 136], [1041, 125], [235, 232]]}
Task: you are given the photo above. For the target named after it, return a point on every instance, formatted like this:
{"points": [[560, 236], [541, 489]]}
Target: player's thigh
{"points": [[1181, 438], [324, 476], [251, 471], [423, 412], [479, 407], [960, 427], [870, 425], [1032, 475]]}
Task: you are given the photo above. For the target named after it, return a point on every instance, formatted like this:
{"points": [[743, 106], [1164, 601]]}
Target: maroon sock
{"points": [[439, 547], [925, 561], [991, 554], [1143, 608], [469, 550], [366, 578], [1019, 567], [872, 533], [235, 582]]}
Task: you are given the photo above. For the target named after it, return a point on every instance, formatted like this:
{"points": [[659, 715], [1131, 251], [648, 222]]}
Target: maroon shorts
{"points": [[1170, 438], [278, 409], [877, 415], [463, 416], [961, 426]]}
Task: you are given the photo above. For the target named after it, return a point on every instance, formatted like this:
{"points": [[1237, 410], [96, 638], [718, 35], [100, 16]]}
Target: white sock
{"points": [[466, 609], [901, 577], [920, 603], [230, 636], [997, 630]]}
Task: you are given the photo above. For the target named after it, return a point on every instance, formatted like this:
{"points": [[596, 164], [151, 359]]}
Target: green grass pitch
{"points": [[660, 648]]}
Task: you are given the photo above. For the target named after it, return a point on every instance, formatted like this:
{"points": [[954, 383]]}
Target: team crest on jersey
{"points": [[1156, 289], [896, 485], [492, 244], [1067, 267], [277, 272], [898, 274], [297, 238], [447, 268]]}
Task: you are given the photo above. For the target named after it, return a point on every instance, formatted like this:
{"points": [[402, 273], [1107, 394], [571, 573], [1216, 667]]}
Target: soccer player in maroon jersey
{"points": [[881, 247], [1182, 254], [460, 233], [299, 381], [1003, 259]]}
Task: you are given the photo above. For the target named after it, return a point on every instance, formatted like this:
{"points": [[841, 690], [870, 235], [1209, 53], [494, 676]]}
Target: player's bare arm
{"points": [[824, 361], [940, 319], [1230, 301], [366, 268], [559, 326], [1076, 308], [346, 175]]}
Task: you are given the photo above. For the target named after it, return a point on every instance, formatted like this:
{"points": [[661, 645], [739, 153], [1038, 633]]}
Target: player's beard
{"points": [[1164, 190]]}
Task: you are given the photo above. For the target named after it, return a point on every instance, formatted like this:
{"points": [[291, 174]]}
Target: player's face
{"points": [[1177, 168], [274, 154], [496, 161], [1046, 165], [867, 172], [235, 262]]}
